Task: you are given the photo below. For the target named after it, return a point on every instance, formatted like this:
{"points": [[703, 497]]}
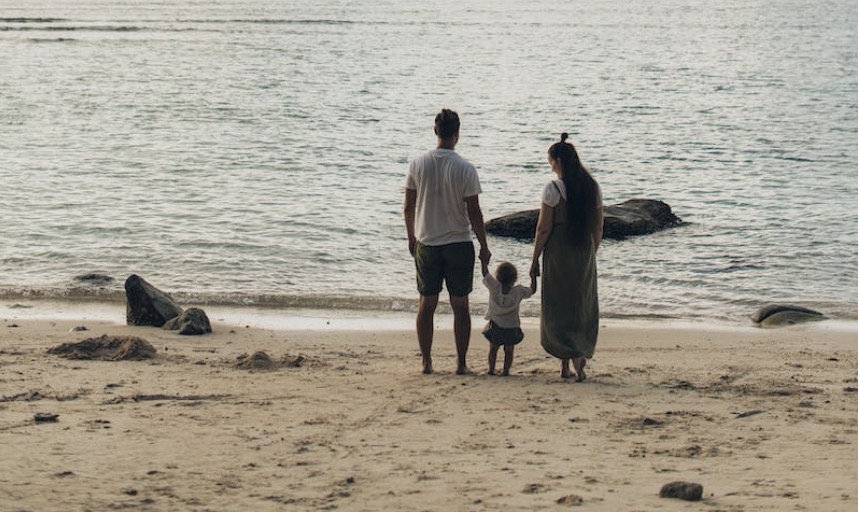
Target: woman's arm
{"points": [[598, 228], [542, 232]]}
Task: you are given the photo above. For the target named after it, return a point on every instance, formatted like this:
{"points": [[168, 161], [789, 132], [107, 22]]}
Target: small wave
{"points": [[51, 40], [82, 28], [290, 22], [31, 20]]}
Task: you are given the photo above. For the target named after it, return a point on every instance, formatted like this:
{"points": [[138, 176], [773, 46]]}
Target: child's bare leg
{"points": [[509, 359], [565, 368], [491, 358]]}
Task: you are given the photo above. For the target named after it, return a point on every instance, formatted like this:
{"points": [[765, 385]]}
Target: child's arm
{"points": [[534, 284]]}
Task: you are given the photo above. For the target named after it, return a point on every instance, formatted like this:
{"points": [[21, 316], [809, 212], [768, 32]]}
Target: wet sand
{"points": [[764, 419]]}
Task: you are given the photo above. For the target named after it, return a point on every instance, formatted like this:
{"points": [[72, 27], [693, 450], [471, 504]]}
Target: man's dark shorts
{"points": [[453, 263]]}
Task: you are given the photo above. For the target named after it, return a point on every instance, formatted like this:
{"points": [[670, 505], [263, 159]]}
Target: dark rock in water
{"points": [[519, 225], [147, 305], [107, 348], [682, 490], [630, 218], [95, 279], [778, 315], [637, 217], [192, 321]]}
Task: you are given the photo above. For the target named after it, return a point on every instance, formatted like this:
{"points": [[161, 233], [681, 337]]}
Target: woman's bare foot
{"points": [[579, 366], [505, 373], [565, 368]]}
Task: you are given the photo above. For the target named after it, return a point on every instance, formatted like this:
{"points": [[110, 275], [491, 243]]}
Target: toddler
{"points": [[503, 313]]}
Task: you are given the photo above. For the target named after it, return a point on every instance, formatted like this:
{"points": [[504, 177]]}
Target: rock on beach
{"points": [[779, 315], [682, 490], [147, 305], [191, 322]]}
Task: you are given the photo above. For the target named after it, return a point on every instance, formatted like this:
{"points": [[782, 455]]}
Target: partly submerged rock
{"points": [[146, 304], [94, 279], [192, 321], [637, 217], [630, 218], [106, 348], [779, 315]]}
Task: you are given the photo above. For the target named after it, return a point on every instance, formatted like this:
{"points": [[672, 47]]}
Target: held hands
{"points": [[535, 270], [485, 255]]}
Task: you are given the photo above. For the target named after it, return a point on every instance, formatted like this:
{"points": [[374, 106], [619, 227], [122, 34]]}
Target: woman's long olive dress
{"points": [[569, 312]]}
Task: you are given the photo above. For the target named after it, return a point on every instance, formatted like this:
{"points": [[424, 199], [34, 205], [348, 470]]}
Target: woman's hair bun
{"points": [[564, 136]]}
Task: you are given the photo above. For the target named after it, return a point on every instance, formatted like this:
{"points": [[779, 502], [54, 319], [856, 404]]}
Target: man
{"points": [[441, 205]]}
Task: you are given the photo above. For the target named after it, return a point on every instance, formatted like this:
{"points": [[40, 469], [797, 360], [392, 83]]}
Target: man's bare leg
{"points": [[424, 326], [462, 330]]}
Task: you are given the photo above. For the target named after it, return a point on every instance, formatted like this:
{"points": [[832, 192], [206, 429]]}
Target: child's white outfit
{"points": [[503, 312]]}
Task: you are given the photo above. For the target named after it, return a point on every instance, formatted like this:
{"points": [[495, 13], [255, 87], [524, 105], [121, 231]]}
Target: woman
{"points": [[569, 230]]}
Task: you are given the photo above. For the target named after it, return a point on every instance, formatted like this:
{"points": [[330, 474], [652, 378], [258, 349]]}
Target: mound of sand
{"points": [[107, 348], [262, 361]]}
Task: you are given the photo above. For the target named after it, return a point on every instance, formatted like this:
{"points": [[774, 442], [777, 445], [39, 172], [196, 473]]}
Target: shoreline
{"points": [[303, 319]]}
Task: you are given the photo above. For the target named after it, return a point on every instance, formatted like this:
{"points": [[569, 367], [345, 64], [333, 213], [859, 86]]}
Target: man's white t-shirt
{"points": [[443, 180], [504, 308]]}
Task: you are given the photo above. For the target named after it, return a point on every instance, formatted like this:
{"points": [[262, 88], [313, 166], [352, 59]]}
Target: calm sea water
{"points": [[254, 152]]}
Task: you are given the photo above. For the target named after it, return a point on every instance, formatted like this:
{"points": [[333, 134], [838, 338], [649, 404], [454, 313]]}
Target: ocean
{"points": [[237, 152]]}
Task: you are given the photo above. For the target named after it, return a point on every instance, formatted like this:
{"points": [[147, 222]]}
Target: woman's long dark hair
{"points": [[581, 191]]}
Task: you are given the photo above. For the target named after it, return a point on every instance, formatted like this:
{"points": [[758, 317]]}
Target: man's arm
{"points": [[476, 218], [409, 217]]}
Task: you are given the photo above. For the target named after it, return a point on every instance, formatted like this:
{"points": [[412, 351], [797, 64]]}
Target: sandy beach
{"points": [[764, 419]]}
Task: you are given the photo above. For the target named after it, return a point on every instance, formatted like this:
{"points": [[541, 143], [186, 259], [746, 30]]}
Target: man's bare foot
{"points": [[579, 366], [427, 366], [462, 370]]}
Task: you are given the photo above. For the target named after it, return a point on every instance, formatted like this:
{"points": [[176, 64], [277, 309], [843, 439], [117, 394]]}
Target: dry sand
{"points": [[763, 419]]}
